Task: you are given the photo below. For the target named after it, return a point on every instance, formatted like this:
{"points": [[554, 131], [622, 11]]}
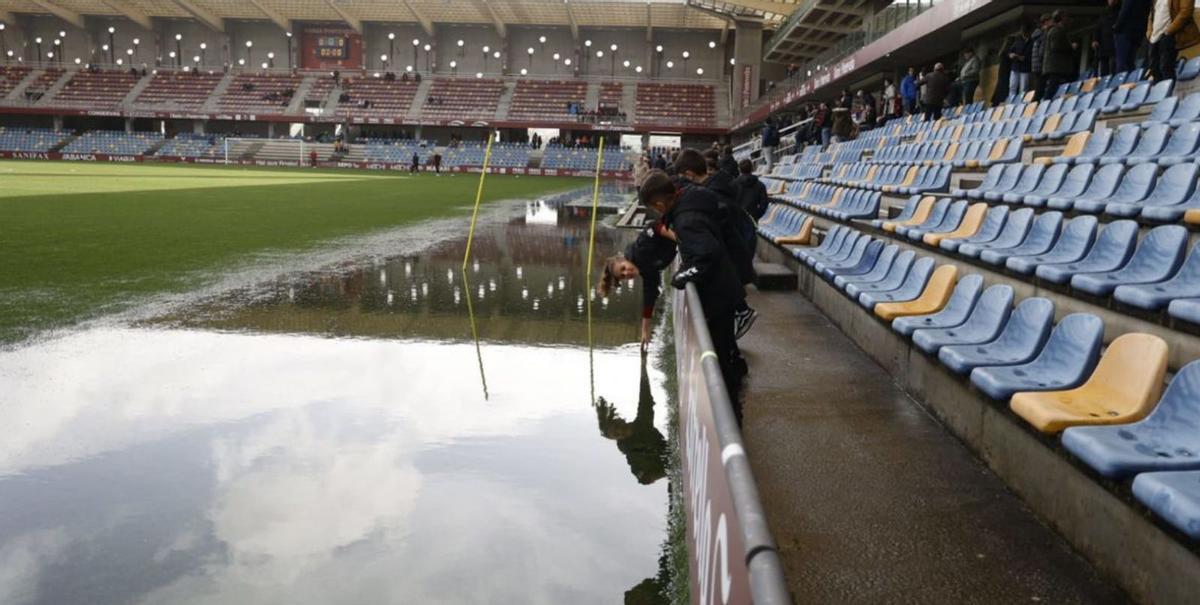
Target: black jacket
{"points": [[1105, 45], [696, 221], [734, 223], [1133, 18], [729, 166], [652, 253], [752, 195]]}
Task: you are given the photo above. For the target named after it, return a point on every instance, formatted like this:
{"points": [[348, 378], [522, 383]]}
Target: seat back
{"points": [[1160, 253], [966, 294], [1029, 178], [1133, 368], [1154, 138], [1136, 183], [1028, 327], [1189, 108], [1179, 408], [1104, 182], [992, 177], [1044, 231], [1073, 347], [993, 224], [1076, 144], [1114, 244], [1164, 110], [1077, 180], [1015, 228], [1052, 179], [992, 312], [1125, 141], [1184, 140], [883, 264], [1160, 91], [1012, 174], [1175, 185], [1078, 234]]}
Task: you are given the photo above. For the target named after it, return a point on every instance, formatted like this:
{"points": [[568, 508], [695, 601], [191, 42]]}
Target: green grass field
{"points": [[78, 240]]}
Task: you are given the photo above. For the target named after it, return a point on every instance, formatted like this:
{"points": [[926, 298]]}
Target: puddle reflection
{"points": [[241, 452]]}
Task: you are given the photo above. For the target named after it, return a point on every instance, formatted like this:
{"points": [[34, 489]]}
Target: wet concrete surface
{"points": [[327, 437], [869, 498]]}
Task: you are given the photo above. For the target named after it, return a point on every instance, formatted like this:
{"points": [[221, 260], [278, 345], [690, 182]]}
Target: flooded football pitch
{"points": [[339, 435]]}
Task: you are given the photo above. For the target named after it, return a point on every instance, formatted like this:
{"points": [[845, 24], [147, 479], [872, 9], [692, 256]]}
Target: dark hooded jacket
{"points": [[729, 166], [652, 253], [696, 220], [734, 223], [752, 195]]}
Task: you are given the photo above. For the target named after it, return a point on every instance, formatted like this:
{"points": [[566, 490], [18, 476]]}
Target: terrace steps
{"points": [[414, 110], [137, 89], [214, 99], [58, 85], [506, 97], [592, 100], [18, 91], [297, 104], [629, 102]]}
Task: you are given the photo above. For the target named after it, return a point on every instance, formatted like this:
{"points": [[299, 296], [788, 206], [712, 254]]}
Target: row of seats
{"points": [[973, 154], [250, 92], [1053, 127], [504, 155], [10, 77], [784, 225], [34, 140], [900, 179], [841, 203], [1108, 404], [190, 145], [178, 90], [581, 158], [114, 142], [678, 104], [1152, 274], [1142, 190], [463, 99], [389, 98], [546, 99], [101, 89], [1134, 144]]}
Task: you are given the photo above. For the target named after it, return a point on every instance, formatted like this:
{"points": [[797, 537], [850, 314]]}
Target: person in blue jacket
{"points": [[909, 91]]}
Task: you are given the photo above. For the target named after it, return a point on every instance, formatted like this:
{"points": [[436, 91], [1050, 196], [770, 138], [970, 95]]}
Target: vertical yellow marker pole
{"points": [[591, 254], [487, 159]]}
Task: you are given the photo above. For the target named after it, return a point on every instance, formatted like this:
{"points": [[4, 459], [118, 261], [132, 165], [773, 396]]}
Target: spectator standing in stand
{"points": [[1103, 45], [1037, 54], [1057, 65], [968, 77], [1020, 53], [770, 140], [1003, 73], [1172, 27], [937, 86], [1129, 29], [891, 101], [908, 91]]}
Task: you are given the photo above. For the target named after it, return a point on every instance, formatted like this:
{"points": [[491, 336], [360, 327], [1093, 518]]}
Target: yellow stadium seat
{"points": [[802, 238], [1029, 96], [1030, 110], [997, 152], [924, 207], [910, 176], [1074, 147], [1088, 85], [1049, 126], [936, 295], [971, 221], [1192, 217], [1123, 389]]}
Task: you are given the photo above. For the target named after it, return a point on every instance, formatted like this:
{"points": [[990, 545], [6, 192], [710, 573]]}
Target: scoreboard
{"points": [[332, 48]]}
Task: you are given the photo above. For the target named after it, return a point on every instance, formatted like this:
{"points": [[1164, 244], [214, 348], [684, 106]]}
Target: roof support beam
{"points": [[354, 22], [843, 8], [213, 22], [571, 20], [279, 19], [487, 9], [649, 24], [426, 24], [67, 15], [131, 13], [725, 32]]}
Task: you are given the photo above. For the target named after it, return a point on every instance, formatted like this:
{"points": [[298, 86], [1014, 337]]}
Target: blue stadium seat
{"points": [[1189, 71], [1113, 248], [1156, 295], [1074, 242], [1015, 229], [1158, 92], [1104, 182], [1030, 176], [957, 309], [1188, 110], [1065, 362], [862, 265], [949, 222], [878, 271], [1166, 440], [983, 325], [1051, 181], [1185, 309], [1124, 142], [993, 224], [1134, 186], [1096, 145], [843, 249], [1074, 184], [1018, 343], [895, 276], [1163, 111], [1040, 239], [1174, 496], [1009, 176], [1156, 258], [989, 181], [1171, 192], [910, 209], [936, 216], [833, 239], [850, 259], [909, 289], [1181, 147]]}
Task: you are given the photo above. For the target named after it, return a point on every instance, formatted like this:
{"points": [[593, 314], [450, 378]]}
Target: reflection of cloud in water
{"points": [[347, 471]]}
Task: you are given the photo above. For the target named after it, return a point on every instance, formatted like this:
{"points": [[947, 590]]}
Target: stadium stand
{"points": [[178, 90], [581, 158], [260, 92], [678, 104], [10, 76], [504, 155], [101, 89], [189, 145], [114, 142], [547, 99], [386, 98], [463, 99], [31, 140], [396, 152]]}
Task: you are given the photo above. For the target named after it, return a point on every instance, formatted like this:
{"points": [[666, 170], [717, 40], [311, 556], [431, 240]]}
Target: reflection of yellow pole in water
{"points": [[588, 283], [474, 331], [487, 159]]}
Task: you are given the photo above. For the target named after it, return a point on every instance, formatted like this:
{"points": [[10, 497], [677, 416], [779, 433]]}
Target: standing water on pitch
{"points": [[336, 436]]}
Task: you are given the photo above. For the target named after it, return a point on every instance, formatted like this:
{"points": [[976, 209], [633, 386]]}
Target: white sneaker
{"points": [[743, 321]]}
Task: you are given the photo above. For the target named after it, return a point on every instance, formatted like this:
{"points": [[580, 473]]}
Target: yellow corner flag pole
{"points": [[591, 254], [487, 160]]}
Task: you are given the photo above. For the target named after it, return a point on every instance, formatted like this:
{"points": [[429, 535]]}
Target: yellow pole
{"points": [[487, 159], [590, 256]]}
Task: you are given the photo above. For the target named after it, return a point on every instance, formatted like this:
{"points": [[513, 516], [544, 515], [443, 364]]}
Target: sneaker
{"points": [[743, 321]]}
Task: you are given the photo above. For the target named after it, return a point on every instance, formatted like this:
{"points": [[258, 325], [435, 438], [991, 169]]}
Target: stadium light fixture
{"points": [[478, 75], [50, 55], [196, 59], [171, 54], [391, 36], [613, 48], [62, 33], [264, 65], [112, 30], [462, 49], [383, 59], [557, 56], [129, 51], [587, 43], [638, 69], [670, 65], [599, 54], [57, 42], [178, 37], [712, 44], [427, 47], [203, 46], [658, 48], [626, 64], [242, 62], [250, 52], [524, 72], [454, 67], [567, 62], [37, 40], [699, 71], [408, 68], [732, 61], [686, 54], [77, 59]]}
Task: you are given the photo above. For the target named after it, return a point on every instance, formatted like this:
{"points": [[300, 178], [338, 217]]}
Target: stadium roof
{"points": [[688, 14]]}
